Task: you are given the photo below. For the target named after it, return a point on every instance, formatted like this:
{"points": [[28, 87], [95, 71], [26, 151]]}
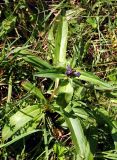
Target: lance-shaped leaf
{"points": [[93, 79], [52, 73], [34, 60], [20, 119], [34, 90], [61, 42], [18, 138], [79, 139]]}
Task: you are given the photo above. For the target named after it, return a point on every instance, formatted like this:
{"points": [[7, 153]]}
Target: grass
{"points": [[58, 80]]}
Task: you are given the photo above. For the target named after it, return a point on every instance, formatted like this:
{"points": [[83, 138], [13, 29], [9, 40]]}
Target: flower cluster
{"points": [[70, 72]]}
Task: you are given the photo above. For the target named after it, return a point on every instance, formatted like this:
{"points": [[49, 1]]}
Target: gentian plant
{"points": [[63, 111]]}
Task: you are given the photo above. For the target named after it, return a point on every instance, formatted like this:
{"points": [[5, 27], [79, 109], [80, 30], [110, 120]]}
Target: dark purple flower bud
{"points": [[69, 70], [77, 74]]}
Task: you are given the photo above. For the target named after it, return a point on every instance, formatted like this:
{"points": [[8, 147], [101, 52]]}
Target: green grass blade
{"points": [[111, 154], [54, 9]]}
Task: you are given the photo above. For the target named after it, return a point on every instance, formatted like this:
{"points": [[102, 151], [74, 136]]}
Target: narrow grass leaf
{"points": [[53, 10], [111, 154]]}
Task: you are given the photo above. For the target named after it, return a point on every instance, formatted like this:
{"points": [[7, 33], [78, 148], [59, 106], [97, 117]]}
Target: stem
{"points": [[45, 140], [9, 89], [55, 89]]}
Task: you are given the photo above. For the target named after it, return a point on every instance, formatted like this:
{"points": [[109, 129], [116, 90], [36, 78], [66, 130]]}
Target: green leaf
{"points": [[59, 150], [7, 25], [89, 77], [34, 90], [61, 42], [51, 39], [66, 88], [73, 13], [80, 112], [79, 140], [18, 138], [54, 8], [113, 75], [111, 155], [104, 115], [114, 133], [34, 60], [19, 119], [50, 75], [92, 22]]}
